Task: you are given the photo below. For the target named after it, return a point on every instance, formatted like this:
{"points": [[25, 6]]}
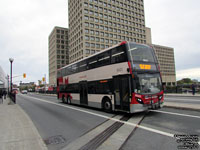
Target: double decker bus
{"points": [[125, 77]]}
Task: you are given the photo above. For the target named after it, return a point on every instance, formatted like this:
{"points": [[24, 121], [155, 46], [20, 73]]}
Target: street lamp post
{"points": [[11, 61]]}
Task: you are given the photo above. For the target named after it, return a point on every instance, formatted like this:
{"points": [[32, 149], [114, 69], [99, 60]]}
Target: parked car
{"points": [[24, 92]]}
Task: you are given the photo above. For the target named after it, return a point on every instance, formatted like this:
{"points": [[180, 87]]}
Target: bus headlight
{"points": [[139, 101], [160, 97]]}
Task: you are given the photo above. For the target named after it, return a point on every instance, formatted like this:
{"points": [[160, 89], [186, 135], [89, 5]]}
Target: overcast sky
{"points": [[26, 24]]}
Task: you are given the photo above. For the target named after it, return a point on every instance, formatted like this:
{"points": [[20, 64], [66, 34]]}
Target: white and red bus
{"points": [[125, 77]]}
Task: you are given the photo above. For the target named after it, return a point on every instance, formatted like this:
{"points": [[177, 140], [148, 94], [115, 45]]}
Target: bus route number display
{"points": [[146, 67]]}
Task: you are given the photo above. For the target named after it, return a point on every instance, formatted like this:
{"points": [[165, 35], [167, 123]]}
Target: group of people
{"points": [[3, 94]]}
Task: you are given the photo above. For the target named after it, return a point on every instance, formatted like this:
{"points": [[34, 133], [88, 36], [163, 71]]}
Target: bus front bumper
{"points": [[134, 108]]}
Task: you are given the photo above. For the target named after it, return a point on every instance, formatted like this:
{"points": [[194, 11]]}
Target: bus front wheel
{"points": [[106, 104]]}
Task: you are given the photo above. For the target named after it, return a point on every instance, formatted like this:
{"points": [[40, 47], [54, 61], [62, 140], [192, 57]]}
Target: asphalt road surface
{"points": [[65, 126]]}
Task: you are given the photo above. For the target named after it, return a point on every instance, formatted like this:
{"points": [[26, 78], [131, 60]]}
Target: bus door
{"points": [[83, 92], [122, 92]]}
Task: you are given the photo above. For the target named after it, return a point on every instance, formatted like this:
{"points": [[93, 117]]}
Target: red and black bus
{"points": [[125, 77]]}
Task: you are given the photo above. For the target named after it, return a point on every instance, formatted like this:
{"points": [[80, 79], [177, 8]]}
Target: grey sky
{"points": [[175, 23], [26, 24], [24, 30]]}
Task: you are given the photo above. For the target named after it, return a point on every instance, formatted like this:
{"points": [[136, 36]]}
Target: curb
{"points": [[41, 142], [20, 131]]}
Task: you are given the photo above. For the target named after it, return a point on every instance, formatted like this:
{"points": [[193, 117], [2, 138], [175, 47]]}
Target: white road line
{"points": [[172, 113], [103, 116], [188, 100]]}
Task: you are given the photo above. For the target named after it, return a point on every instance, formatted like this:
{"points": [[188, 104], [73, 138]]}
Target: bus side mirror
{"points": [[128, 70]]}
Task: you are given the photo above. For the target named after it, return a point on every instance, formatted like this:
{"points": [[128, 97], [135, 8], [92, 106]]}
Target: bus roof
{"points": [[124, 42]]}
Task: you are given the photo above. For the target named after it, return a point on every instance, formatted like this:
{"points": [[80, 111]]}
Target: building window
{"points": [[87, 51], [96, 20], [97, 32], [102, 46], [86, 11], [101, 33], [92, 51], [92, 45], [86, 24], [87, 44], [91, 12], [96, 26], [97, 39], [97, 45], [86, 31], [92, 38], [96, 7], [91, 31], [91, 25], [86, 18], [86, 4], [87, 38]]}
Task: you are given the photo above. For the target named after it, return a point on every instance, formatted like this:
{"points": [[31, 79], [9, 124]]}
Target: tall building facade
{"points": [[58, 52], [98, 24], [166, 61]]}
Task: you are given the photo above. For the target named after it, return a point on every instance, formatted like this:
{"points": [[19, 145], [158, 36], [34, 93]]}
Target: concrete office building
{"points": [[58, 52], [98, 24], [166, 60]]}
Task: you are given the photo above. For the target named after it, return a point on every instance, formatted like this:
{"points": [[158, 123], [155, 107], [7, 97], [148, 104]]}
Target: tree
{"points": [[185, 81]]}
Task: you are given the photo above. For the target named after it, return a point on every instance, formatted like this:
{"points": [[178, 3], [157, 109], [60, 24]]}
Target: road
{"points": [[183, 99], [65, 126]]}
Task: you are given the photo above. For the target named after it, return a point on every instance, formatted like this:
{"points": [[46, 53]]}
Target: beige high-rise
{"points": [[166, 60], [97, 24], [58, 52]]}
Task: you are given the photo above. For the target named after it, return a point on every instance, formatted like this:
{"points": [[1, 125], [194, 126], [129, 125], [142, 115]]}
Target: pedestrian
{"points": [[193, 89], [1, 97], [4, 94]]}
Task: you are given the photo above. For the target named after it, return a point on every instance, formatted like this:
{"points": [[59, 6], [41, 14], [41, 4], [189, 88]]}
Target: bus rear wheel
{"points": [[107, 106]]}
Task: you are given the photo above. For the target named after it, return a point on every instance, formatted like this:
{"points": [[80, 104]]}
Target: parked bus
{"points": [[125, 77]]}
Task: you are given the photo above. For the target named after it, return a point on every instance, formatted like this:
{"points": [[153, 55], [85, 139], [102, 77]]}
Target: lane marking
{"points": [[103, 116], [178, 114]]}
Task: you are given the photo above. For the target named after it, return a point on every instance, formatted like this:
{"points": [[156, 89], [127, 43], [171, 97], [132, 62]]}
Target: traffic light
{"points": [[43, 79], [24, 75]]}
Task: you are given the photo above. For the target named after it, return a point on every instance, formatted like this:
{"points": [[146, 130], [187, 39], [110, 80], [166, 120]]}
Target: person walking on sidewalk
{"points": [[4, 94], [1, 96], [193, 89]]}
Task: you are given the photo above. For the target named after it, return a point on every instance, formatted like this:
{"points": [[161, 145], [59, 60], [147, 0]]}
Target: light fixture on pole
{"points": [[11, 61]]}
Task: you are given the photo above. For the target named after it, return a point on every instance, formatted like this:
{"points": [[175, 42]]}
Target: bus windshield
{"points": [[141, 53], [147, 83]]}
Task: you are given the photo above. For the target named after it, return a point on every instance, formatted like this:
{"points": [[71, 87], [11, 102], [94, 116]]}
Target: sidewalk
{"points": [[17, 131]]}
